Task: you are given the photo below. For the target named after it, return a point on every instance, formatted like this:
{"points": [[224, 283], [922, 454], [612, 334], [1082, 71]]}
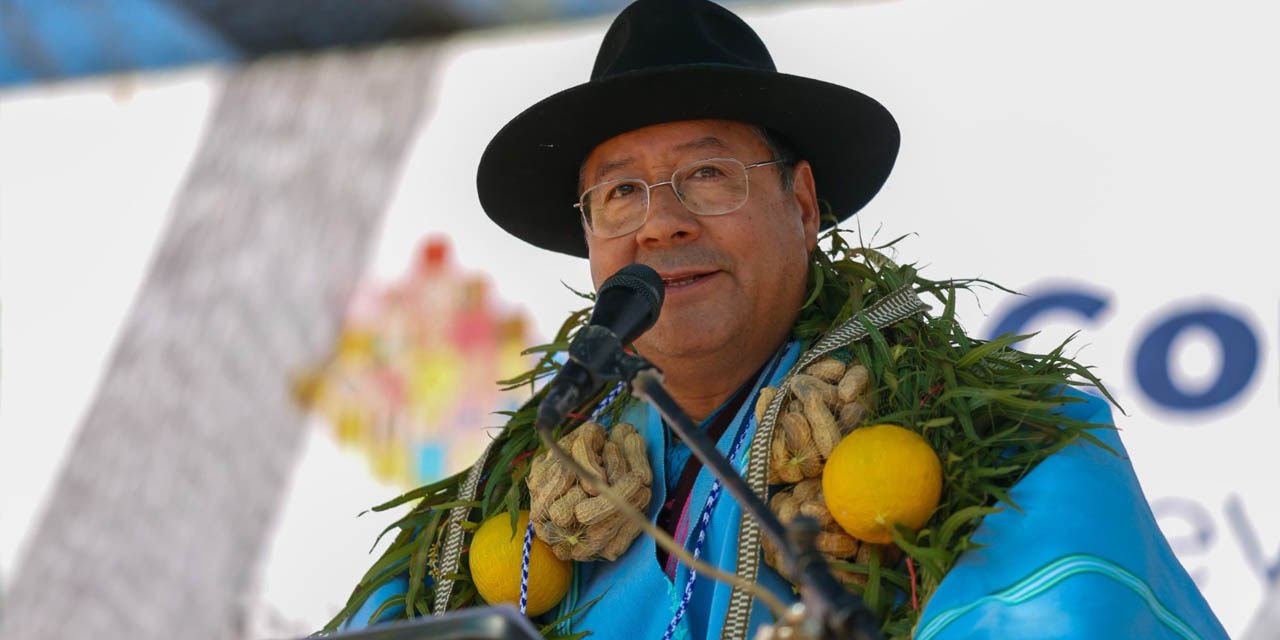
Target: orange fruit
{"points": [[880, 476], [495, 558]]}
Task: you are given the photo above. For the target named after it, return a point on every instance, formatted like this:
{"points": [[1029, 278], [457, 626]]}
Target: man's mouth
{"points": [[684, 279]]}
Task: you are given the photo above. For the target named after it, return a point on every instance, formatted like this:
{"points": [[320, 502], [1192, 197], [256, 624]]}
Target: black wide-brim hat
{"points": [[665, 61]]}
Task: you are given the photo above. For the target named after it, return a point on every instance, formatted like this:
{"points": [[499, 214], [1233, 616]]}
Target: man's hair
{"points": [[781, 149]]}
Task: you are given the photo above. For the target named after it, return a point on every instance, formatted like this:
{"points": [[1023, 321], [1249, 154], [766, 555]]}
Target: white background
{"points": [[1125, 148]]}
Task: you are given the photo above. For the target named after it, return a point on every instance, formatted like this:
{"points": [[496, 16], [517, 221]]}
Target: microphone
{"points": [[627, 305]]}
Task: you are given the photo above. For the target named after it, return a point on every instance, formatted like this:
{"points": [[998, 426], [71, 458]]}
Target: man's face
{"points": [[733, 281]]}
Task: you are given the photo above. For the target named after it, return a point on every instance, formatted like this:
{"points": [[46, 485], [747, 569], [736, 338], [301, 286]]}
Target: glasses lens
{"points": [[712, 187], [615, 208]]}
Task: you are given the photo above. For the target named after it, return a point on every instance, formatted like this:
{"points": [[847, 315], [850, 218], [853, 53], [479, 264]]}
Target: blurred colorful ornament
{"points": [[411, 382]]}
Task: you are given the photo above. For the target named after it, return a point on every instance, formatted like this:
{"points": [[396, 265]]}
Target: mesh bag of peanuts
{"points": [[569, 514], [828, 400]]}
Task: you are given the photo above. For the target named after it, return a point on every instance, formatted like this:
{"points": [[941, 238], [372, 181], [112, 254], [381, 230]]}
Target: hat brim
{"points": [[527, 179]]}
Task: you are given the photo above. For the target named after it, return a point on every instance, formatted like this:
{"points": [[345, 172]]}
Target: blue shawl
{"points": [[1083, 560]]}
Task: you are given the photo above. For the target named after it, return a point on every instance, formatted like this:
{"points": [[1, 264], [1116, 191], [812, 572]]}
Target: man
{"points": [[679, 155]]}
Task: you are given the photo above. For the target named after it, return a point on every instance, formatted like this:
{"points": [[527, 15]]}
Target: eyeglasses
{"points": [[710, 187]]}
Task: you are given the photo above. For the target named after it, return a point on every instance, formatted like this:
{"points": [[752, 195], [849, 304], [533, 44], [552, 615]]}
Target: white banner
{"points": [[1116, 162]]}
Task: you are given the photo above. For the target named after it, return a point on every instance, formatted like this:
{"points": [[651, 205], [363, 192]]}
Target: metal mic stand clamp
{"points": [[600, 352]]}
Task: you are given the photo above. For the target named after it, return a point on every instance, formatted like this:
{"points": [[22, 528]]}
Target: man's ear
{"points": [[805, 194]]}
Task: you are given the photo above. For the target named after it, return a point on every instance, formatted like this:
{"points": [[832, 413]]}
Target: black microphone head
{"points": [[642, 279], [630, 301]]}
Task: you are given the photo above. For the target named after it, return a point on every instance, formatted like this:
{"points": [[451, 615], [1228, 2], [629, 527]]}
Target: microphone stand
{"points": [[829, 610]]}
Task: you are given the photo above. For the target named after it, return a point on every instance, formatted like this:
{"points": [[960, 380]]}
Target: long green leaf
{"points": [[420, 492], [987, 348], [572, 614], [960, 518]]}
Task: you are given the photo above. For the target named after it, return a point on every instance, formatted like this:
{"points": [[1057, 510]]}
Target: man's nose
{"points": [[669, 221]]}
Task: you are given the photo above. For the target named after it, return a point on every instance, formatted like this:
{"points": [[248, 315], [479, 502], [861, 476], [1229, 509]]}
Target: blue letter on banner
{"points": [[1239, 359], [1073, 300]]}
